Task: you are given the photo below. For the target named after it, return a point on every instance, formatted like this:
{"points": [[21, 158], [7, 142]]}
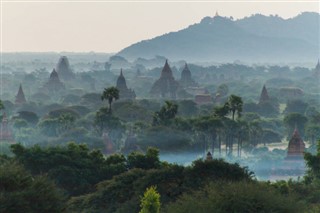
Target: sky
{"points": [[100, 26]]}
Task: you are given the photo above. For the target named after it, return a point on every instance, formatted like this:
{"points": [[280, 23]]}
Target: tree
{"points": [[313, 164], [166, 113], [312, 132], [223, 90], [22, 192], [297, 106], [241, 196], [293, 120], [150, 202], [105, 121], [110, 94], [1, 105], [235, 104], [30, 117]]}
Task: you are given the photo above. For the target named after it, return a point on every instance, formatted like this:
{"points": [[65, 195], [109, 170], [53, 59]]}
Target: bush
{"points": [[223, 197]]}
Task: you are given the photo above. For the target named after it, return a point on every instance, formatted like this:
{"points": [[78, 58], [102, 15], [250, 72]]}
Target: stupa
{"points": [[64, 70], [20, 98], [166, 86], [186, 78], [124, 92]]}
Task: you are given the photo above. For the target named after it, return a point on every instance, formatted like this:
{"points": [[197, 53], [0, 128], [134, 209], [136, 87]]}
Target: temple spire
{"points": [[264, 97], [20, 98]]}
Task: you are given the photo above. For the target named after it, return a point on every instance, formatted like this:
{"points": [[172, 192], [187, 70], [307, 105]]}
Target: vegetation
{"points": [[150, 203], [87, 149]]}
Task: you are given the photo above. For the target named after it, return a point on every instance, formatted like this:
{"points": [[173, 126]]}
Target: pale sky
{"points": [[36, 26]]}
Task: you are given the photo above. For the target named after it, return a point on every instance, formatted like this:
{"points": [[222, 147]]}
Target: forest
{"points": [[152, 135]]}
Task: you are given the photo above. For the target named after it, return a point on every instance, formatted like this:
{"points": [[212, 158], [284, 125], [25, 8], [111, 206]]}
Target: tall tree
{"points": [[166, 113], [150, 202], [235, 104], [293, 120], [110, 94]]}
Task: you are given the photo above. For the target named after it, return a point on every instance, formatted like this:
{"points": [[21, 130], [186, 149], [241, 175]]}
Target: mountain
{"points": [[255, 38]]}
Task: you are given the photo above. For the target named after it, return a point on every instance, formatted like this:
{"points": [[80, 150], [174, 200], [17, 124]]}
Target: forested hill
{"points": [[255, 38]]}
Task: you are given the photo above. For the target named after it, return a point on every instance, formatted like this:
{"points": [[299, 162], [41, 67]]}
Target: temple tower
{"points": [[124, 92], [264, 96], [54, 84], [296, 146], [64, 70], [186, 79], [20, 98], [165, 86]]}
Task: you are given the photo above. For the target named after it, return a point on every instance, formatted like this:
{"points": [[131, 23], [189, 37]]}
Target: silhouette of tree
{"points": [[110, 94]]}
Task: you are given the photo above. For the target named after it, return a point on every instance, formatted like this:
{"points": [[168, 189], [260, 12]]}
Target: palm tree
{"points": [[235, 104], [166, 113], [110, 94]]}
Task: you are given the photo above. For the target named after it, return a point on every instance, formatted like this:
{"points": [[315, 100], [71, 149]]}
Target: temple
{"points": [[124, 92], [20, 98], [296, 146], [316, 71], [54, 84], [5, 133], [165, 86], [209, 156], [264, 97], [64, 70], [186, 79]]}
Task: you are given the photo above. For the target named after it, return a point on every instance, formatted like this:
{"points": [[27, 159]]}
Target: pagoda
{"points": [[186, 79], [316, 71], [124, 92], [296, 146], [20, 98], [165, 86], [264, 96], [5, 133], [64, 70], [54, 84]]}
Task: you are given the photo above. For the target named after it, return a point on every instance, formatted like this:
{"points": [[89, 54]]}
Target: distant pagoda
{"points": [[296, 146], [186, 79], [124, 92], [20, 98], [54, 84], [316, 71], [165, 86], [64, 70], [264, 97]]}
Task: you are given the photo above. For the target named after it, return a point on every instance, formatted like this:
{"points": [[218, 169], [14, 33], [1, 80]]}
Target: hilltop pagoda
{"points": [[296, 146], [165, 86], [124, 92], [264, 96], [64, 70], [186, 78], [20, 98], [54, 84]]}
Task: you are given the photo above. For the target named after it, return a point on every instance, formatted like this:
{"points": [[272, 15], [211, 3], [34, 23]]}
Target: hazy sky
{"points": [[110, 26]]}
